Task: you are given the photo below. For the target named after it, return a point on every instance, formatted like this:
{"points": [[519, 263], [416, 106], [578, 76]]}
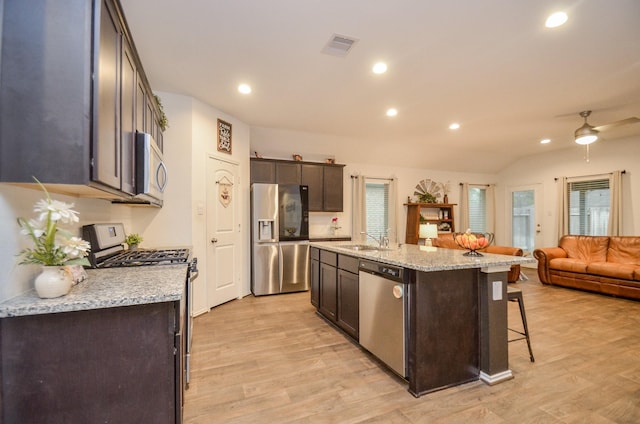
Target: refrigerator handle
{"points": [[280, 266]]}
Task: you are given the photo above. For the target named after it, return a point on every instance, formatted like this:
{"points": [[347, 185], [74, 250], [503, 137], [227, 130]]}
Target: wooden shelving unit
{"points": [[435, 213]]}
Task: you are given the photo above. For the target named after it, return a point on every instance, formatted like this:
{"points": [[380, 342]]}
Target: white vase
{"points": [[52, 282]]}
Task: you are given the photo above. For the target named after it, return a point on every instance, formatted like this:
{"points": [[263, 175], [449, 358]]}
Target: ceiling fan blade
{"points": [[605, 127]]}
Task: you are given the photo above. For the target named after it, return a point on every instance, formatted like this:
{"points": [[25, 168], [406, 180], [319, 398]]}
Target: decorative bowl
{"points": [[473, 242]]}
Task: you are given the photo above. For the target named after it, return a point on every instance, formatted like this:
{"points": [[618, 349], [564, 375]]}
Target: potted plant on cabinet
{"points": [[133, 240]]}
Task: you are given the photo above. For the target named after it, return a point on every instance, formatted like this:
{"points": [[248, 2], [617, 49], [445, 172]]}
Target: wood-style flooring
{"points": [[273, 360]]}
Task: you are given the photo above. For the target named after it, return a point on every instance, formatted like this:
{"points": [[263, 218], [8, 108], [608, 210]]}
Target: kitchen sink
{"points": [[364, 247], [361, 247]]}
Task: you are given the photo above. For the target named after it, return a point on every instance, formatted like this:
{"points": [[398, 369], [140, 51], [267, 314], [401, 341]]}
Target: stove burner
{"points": [[145, 257]]}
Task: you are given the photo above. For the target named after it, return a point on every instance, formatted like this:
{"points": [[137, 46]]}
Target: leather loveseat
{"points": [[513, 274], [609, 265]]}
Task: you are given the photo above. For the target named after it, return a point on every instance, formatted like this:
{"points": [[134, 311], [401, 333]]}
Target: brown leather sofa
{"points": [[609, 265], [514, 273]]}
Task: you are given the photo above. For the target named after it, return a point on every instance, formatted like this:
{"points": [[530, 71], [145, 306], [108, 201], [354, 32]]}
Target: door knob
{"points": [[214, 240]]}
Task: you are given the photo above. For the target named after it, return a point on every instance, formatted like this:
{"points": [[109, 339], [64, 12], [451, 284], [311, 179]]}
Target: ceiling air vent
{"points": [[339, 45]]}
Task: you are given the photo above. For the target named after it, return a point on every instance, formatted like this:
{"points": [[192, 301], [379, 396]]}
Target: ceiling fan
{"points": [[588, 134]]}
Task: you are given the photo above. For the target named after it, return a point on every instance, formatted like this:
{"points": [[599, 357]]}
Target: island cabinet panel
{"points": [[443, 329], [348, 307], [328, 285], [328, 291], [314, 273], [115, 365]]}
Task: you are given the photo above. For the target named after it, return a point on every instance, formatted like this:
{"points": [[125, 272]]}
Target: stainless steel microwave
{"points": [[151, 172]]}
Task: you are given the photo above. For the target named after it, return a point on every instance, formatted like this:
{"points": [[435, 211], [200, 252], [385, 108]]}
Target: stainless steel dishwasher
{"points": [[382, 313]]}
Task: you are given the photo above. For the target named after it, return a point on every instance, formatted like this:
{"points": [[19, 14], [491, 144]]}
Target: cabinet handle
{"points": [[214, 240]]}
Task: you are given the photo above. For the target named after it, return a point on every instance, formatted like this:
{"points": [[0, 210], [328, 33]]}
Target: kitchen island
{"points": [[455, 308], [109, 351]]}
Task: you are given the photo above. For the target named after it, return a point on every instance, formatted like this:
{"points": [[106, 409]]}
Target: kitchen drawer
{"points": [[348, 263], [329, 258], [314, 253]]}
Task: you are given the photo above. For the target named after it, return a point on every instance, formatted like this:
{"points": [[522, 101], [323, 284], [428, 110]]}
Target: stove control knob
{"points": [[214, 240]]}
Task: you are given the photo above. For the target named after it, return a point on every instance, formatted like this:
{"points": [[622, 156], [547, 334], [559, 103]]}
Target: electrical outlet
{"points": [[497, 290]]}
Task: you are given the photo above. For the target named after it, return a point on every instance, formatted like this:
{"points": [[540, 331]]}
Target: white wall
{"points": [[204, 146], [190, 141], [18, 202], [605, 156]]}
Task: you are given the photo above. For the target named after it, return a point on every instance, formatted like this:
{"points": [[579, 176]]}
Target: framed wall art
{"points": [[224, 136]]}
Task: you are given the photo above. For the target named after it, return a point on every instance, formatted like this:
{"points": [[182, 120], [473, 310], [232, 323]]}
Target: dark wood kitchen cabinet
{"points": [[314, 275], [70, 97], [116, 365], [348, 295], [332, 190], [288, 172], [328, 285], [263, 171], [339, 291], [325, 181]]}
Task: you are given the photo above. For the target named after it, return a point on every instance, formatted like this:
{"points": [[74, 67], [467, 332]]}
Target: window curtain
{"points": [[464, 208], [615, 209], [490, 208], [393, 203], [358, 205], [562, 226]]}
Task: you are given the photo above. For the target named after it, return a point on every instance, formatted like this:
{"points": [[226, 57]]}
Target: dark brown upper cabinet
{"points": [[325, 181], [72, 94]]}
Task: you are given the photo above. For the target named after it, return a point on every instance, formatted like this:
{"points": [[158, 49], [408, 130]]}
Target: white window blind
{"points": [[377, 207], [589, 207], [477, 209]]}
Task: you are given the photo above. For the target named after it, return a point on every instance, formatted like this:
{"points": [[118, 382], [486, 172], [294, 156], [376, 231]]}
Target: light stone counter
{"points": [[107, 288], [426, 259]]}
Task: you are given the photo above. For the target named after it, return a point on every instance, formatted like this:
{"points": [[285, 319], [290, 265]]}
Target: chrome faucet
{"points": [[383, 241]]}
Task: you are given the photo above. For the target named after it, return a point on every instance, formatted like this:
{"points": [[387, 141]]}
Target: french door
{"points": [[525, 212]]}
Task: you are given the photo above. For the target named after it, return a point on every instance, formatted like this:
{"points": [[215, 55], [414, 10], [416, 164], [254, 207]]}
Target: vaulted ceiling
{"points": [[491, 66]]}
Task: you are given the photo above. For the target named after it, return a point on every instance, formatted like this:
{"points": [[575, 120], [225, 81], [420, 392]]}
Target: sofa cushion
{"points": [[586, 248], [624, 250], [613, 270], [568, 264]]}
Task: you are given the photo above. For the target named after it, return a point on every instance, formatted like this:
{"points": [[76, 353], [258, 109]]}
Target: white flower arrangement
{"points": [[53, 246]]}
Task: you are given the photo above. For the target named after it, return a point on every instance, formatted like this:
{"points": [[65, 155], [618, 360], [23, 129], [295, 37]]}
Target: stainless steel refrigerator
{"points": [[279, 238]]}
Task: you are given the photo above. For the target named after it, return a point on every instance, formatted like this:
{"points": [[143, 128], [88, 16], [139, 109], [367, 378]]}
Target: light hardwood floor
{"points": [[273, 360]]}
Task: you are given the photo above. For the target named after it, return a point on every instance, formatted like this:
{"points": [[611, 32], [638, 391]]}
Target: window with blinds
{"points": [[589, 205], [477, 209], [377, 207]]}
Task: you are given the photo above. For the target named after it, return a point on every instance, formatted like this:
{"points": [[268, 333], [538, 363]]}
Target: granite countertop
{"points": [[106, 288], [425, 259]]}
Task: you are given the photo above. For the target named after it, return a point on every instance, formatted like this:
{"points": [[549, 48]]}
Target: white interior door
{"points": [[525, 212], [223, 232]]}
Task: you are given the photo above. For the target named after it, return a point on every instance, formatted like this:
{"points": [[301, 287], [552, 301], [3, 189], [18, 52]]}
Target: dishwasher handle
{"points": [[398, 291]]}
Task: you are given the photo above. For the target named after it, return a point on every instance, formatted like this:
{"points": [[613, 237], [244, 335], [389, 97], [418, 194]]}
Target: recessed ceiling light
{"points": [[454, 126], [244, 88], [392, 112], [380, 68], [556, 19], [545, 141]]}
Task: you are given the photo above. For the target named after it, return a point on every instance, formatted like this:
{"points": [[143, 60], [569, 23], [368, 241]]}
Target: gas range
{"points": [[144, 257], [107, 249]]}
